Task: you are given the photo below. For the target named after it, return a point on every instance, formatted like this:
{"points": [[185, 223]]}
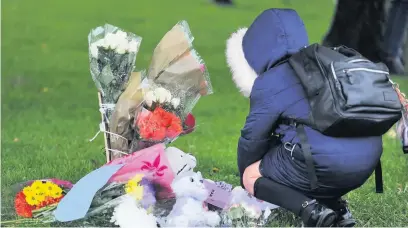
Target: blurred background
{"points": [[50, 106]]}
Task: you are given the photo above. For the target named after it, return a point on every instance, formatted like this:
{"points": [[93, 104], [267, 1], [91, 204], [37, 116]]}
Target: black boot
{"points": [[345, 219], [317, 215]]}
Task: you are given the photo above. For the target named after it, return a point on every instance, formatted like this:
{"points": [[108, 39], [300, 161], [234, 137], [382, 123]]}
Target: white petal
{"points": [[150, 97], [163, 95], [110, 41], [122, 47], [175, 102], [121, 34], [161, 98]]}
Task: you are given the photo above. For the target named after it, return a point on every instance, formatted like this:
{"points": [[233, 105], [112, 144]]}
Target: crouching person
{"points": [[272, 164]]}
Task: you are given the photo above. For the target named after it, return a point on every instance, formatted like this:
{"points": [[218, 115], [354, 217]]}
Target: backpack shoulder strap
{"points": [[281, 61], [307, 153], [379, 188]]}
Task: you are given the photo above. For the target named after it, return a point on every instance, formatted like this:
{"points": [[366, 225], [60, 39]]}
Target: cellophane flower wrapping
{"points": [[112, 56], [402, 131], [176, 79], [153, 163], [244, 210], [35, 200], [145, 176], [139, 188], [123, 115], [402, 124], [178, 67], [159, 120]]}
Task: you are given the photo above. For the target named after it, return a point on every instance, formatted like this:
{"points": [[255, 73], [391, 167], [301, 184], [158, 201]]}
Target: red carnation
{"points": [[158, 124]]}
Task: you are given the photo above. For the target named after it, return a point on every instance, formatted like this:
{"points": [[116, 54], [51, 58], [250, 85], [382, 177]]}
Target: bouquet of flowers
{"points": [[402, 124], [141, 109], [36, 200], [140, 188], [176, 79], [244, 210], [145, 176], [137, 205], [244, 215], [112, 56], [153, 163], [158, 121]]}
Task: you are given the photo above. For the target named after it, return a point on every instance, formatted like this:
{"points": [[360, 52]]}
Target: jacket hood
{"points": [[251, 51]]}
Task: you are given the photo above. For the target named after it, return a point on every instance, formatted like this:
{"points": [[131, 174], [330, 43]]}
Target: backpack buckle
{"points": [[290, 147], [307, 203]]}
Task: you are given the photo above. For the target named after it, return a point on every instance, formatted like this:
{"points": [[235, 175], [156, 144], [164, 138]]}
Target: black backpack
{"points": [[349, 96]]}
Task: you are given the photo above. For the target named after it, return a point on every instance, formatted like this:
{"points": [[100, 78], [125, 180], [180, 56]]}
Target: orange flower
{"points": [[22, 207], [174, 129], [48, 201], [158, 124]]}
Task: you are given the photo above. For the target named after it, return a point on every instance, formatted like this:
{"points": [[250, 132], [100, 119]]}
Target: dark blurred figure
{"points": [[395, 29], [364, 26], [223, 2], [351, 18]]}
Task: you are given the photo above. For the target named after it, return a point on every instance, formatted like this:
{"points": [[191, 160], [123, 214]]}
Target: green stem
{"points": [[19, 221], [46, 208]]}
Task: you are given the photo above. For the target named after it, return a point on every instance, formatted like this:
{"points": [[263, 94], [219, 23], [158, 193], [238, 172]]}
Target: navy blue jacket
{"points": [[276, 92]]}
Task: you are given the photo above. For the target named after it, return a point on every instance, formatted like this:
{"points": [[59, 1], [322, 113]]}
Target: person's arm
{"points": [[256, 136]]}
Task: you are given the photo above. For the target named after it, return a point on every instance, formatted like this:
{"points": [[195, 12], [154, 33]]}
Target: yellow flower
{"points": [[28, 191], [133, 183], [40, 190], [137, 193], [39, 187], [35, 200], [134, 188], [56, 191], [52, 190]]}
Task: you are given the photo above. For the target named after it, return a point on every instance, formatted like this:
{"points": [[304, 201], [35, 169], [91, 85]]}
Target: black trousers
{"points": [[279, 166]]}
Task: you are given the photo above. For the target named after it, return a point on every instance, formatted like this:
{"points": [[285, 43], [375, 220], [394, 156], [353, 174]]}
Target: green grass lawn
{"points": [[49, 103]]}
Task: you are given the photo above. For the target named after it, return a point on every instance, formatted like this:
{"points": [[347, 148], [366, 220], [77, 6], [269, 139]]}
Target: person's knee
{"points": [[250, 175]]}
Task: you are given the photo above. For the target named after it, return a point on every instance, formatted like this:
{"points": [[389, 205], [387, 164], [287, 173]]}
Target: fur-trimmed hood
{"points": [[250, 52]]}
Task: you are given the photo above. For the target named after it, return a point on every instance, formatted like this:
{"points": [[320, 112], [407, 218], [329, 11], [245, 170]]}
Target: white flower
{"points": [[175, 102], [127, 214], [122, 42], [133, 46], [122, 47], [121, 35], [150, 97], [251, 211], [110, 41], [163, 95]]}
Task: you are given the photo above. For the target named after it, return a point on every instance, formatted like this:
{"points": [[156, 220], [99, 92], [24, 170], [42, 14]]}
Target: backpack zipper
{"points": [[358, 60], [336, 80], [366, 69], [333, 72]]}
